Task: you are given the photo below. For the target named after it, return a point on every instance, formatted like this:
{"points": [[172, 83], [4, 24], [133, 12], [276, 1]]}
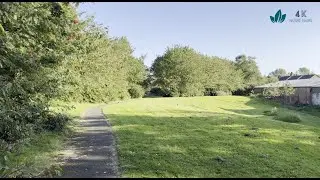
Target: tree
{"points": [[221, 75], [105, 71], [278, 72], [182, 71], [304, 71], [178, 71], [33, 43], [251, 74], [49, 53], [148, 83], [270, 79]]}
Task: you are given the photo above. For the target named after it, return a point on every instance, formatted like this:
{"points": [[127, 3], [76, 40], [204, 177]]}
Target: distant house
{"points": [[307, 88]]}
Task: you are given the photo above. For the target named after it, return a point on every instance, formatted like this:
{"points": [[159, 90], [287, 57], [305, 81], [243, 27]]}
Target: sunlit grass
{"points": [[212, 137]]}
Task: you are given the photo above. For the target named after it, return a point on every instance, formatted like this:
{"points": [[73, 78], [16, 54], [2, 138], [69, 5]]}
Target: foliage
{"points": [[270, 79], [283, 116], [56, 122], [221, 75], [273, 112], [291, 118], [136, 91], [156, 91], [33, 44], [178, 71], [105, 72], [223, 93], [48, 53], [33, 157], [271, 92], [278, 73], [182, 71], [148, 83], [250, 73], [286, 90], [303, 71]]}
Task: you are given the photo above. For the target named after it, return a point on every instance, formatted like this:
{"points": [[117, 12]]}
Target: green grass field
{"points": [[224, 136]]}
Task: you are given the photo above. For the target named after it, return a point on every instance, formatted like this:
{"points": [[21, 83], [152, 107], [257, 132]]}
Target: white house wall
{"points": [[315, 96]]}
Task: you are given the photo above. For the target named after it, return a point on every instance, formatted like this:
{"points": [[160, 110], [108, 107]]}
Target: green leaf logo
{"points": [[278, 17], [272, 19]]}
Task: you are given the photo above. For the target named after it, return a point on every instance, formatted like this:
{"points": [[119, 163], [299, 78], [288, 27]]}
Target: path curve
{"points": [[95, 155]]}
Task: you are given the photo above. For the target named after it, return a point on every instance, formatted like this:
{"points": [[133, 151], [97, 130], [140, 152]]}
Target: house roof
{"points": [[295, 81], [296, 77]]}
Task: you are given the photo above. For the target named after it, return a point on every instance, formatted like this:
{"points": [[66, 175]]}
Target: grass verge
{"points": [[37, 156]]}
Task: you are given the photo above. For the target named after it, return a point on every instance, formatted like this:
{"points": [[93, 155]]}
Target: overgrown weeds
{"points": [[283, 116]]}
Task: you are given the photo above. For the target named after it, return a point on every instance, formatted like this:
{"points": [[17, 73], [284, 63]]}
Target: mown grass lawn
{"points": [[224, 136]]}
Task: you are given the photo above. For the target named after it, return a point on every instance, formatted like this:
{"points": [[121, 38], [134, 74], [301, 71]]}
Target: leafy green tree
{"points": [[270, 79], [251, 74], [286, 90], [278, 72], [33, 42], [304, 71], [148, 83], [220, 75], [49, 53], [103, 71], [182, 71], [250, 70], [178, 72]]}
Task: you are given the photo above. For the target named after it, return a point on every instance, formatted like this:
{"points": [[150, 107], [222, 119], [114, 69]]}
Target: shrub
{"points": [[15, 122], [272, 112], [223, 93], [283, 116], [136, 91], [156, 91], [213, 92], [271, 92], [55, 122], [243, 92], [209, 92], [291, 118]]}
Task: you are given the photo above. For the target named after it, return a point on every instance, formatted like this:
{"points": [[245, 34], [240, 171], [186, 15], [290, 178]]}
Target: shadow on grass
{"points": [[215, 145], [258, 107]]}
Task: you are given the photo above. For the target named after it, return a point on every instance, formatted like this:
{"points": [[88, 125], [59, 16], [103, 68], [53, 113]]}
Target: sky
{"points": [[224, 29]]}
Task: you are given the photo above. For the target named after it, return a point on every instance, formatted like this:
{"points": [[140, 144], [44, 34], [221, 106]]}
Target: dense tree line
{"points": [[282, 72], [182, 71], [47, 52]]}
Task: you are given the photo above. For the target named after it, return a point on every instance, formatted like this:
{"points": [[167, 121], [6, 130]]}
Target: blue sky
{"points": [[219, 29]]}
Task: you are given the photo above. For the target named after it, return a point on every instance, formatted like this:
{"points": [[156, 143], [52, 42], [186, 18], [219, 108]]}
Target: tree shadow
{"points": [[152, 146], [258, 107], [92, 150]]}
